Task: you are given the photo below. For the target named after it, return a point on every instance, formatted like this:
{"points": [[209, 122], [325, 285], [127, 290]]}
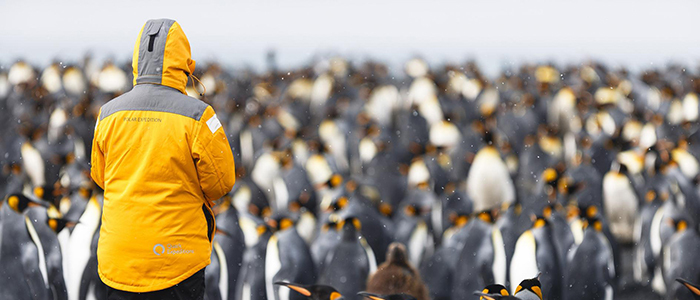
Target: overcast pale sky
{"points": [[637, 33]]}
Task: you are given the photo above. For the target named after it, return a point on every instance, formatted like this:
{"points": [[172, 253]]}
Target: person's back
{"points": [[162, 158]]}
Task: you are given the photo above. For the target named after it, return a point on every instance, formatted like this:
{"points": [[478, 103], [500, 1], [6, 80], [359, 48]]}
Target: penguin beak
{"points": [[694, 289], [297, 288], [371, 296]]}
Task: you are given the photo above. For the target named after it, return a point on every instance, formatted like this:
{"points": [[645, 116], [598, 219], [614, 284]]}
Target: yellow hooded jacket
{"points": [[162, 158]]}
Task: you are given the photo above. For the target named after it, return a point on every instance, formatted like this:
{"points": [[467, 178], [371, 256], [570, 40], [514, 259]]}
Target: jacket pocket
{"points": [[210, 221]]}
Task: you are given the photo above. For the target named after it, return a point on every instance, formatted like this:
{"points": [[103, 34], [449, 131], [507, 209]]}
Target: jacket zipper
{"points": [[210, 221]]}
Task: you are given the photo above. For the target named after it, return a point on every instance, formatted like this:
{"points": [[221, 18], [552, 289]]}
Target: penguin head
{"points": [[567, 185], [314, 292], [679, 224], [280, 222], [58, 224], [488, 216], [539, 221], [593, 222], [329, 225], [222, 205], [529, 287], [550, 178], [20, 202], [349, 227], [334, 204], [397, 254], [693, 288], [495, 289], [458, 220], [386, 297]]}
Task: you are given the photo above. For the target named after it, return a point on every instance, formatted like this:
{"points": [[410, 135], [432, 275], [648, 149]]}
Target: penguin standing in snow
{"points": [[397, 276], [350, 263]]}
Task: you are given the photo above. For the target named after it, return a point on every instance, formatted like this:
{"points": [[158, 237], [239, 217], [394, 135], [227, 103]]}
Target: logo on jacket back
{"points": [[159, 249]]}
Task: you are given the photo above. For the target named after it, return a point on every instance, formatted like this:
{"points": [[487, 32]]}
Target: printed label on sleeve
{"points": [[214, 124]]}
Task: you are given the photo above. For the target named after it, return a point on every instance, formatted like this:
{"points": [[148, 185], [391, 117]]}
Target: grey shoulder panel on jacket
{"points": [[153, 97]]}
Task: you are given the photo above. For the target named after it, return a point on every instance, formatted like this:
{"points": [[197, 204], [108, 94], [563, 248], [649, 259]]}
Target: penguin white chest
{"points": [[524, 262]]}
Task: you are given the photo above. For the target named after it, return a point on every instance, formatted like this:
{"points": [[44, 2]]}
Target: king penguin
{"points": [[680, 257], [47, 223], [621, 204], [227, 257], [396, 275], [350, 263], [489, 184], [251, 280], [328, 237], [482, 259], [530, 289], [314, 292], [22, 262], [287, 258], [536, 253], [590, 270]]}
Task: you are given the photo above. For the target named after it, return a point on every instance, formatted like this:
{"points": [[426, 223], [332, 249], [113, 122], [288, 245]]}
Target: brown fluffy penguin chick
{"points": [[396, 276]]}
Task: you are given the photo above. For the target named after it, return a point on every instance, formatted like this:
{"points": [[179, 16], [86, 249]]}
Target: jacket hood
{"points": [[162, 55]]}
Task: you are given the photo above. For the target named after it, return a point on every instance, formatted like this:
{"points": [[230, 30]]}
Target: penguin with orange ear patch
{"points": [[693, 288], [482, 259], [536, 252], [47, 223], [22, 260], [396, 275], [227, 255], [314, 292], [250, 284], [350, 262], [590, 270], [680, 256], [287, 258]]}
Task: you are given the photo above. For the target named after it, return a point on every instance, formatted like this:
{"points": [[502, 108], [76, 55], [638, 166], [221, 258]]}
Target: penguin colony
{"points": [[546, 182]]}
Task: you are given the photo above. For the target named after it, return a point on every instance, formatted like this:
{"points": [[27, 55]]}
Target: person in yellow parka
{"points": [[162, 158]]}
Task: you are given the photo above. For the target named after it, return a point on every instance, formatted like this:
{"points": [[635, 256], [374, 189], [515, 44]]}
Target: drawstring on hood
{"points": [[200, 83]]}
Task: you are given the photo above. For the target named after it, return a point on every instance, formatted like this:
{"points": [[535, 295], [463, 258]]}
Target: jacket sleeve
{"points": [[212, 156], [97, 164]]}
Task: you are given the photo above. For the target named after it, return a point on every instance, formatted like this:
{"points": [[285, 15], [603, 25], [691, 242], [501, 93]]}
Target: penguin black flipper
{"points": [[52, 250], [211, 278], [251, 280], [15, 283]]}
